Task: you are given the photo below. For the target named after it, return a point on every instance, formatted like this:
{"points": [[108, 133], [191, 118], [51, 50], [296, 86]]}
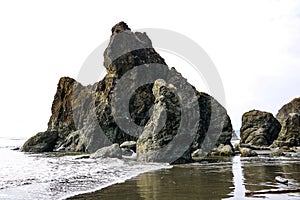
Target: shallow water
{"points": [[223, 180]]}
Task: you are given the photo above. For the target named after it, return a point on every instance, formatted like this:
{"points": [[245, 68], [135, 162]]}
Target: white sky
{"points": [[255, 46]]}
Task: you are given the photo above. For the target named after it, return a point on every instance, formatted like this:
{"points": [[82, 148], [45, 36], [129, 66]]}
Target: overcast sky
{"points": [[255, 46]]}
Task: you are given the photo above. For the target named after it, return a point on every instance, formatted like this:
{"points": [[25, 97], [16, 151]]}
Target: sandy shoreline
{"points": [[183, 182], [222, 180]]}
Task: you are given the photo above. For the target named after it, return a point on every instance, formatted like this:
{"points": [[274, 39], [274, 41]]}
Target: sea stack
{"points": [[87, 118], [259, 128]]}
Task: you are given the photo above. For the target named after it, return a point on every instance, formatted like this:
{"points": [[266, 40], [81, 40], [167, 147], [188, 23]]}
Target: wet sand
{"points": [[177, 183], [224, 180]]}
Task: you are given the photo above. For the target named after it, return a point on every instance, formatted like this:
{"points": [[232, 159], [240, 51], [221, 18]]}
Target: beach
{"points": [[221, 180]]}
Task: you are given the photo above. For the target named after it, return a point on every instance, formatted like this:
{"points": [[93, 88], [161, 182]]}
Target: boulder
{"points": [[259, 128], [41, 142], [222, 150], [113, 151], [246, 152], [197, 154]]}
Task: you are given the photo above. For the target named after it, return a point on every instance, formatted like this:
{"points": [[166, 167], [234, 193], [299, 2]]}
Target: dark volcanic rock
{"points": [[127, 50], [122, 106], [41, 142], [259, 128], [83, 116]]}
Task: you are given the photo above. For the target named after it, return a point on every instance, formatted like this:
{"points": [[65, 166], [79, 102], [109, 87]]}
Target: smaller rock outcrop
{"points": [[112, 151], [41, 142], [290, 133], [289, 117], [259, 128]]}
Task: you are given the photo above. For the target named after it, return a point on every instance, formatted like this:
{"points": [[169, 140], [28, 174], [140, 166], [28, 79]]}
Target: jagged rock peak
{"points": [[121, 26], [127, 49]]}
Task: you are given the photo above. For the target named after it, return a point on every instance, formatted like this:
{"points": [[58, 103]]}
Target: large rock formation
{"points": [[86, 118], [83, 117], [259, 128], [289, 117]]}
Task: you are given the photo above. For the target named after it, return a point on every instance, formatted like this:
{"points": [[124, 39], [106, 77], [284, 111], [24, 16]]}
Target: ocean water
{"points": [[10, 143], [52, 176]]}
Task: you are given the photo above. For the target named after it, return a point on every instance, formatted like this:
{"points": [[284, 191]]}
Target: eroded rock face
{"points": [[86, 118], [288, 116], [289, 135], [165, 134], [61, 125], [83, 115], [162, 127], [291, 107], [259, 128]]}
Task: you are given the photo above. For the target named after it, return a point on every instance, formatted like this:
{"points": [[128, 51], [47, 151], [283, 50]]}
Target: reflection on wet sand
{"points": [[221, 180], [194, 182], [260, 175], [238, 178], [205, 181]]}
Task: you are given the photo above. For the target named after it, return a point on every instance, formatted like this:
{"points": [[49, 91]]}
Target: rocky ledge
{"points": [[161, 103]]}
